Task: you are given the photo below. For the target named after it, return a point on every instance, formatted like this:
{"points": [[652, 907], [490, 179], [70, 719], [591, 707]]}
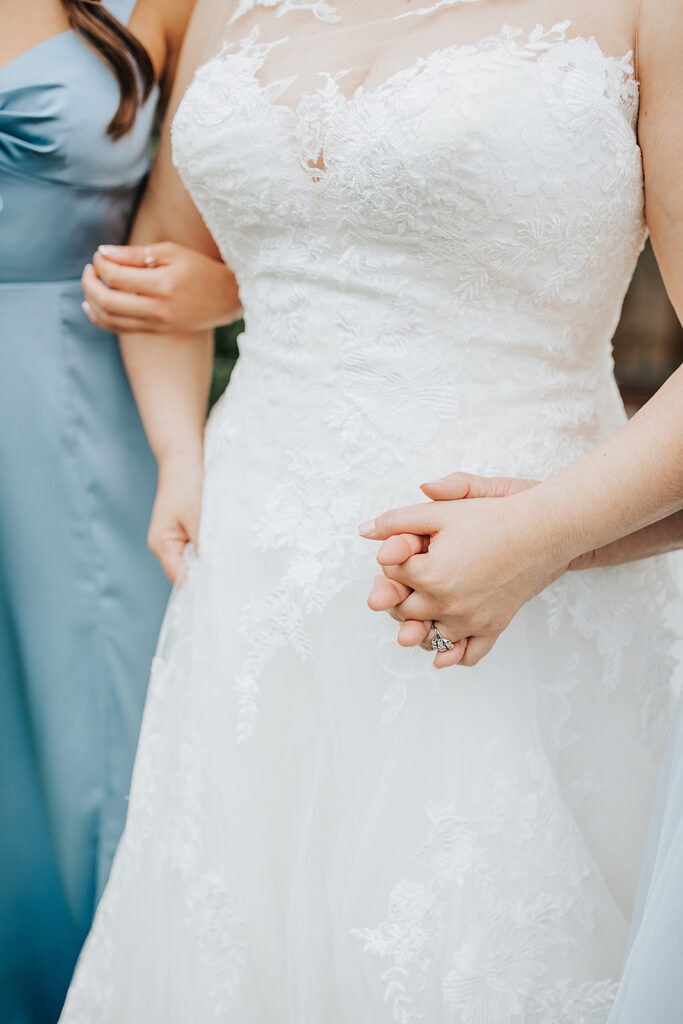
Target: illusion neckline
{"points": [[538, 42]]}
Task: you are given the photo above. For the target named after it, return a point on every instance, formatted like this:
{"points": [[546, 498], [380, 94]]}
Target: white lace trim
{"points": [[322, 10], [434, 7]]}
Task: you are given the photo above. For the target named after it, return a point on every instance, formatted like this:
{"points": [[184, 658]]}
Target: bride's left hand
{"points": [[468, 565]]}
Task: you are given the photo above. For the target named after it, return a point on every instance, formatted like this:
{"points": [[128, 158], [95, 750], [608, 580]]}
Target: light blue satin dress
{"points": [[651, 989], [81, 598]]}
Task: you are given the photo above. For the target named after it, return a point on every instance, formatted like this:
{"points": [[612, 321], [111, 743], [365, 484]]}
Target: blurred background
{"points": [[648, 345]]}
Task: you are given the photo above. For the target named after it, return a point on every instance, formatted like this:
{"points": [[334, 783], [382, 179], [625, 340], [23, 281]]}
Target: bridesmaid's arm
{"points": [[170, 373]]}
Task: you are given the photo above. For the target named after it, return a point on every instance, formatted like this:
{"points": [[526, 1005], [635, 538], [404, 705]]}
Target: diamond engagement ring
{"points": [[440, 643], [150, 261]]}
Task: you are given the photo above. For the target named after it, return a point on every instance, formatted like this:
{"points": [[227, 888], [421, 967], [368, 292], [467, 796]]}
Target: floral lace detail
{"points": [[497, 973], [434, 7], [565, 1002], [320, 8], [584, 600]]}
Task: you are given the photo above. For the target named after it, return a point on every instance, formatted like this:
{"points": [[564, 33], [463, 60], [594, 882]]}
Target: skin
{"points": [[186, 290]]}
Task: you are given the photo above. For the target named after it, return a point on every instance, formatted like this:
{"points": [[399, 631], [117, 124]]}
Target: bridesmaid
{"points": [[81, 598]]}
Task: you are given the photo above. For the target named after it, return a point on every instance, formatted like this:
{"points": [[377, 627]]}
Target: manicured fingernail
{"points": [[367, 529], [85, 306], [107, 250]]}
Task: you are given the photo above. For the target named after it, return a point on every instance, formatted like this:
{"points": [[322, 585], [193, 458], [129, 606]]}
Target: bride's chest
{"points": [[468, 135]]}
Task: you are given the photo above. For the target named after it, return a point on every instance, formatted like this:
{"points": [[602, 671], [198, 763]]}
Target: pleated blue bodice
{"points": [[64, 184]]}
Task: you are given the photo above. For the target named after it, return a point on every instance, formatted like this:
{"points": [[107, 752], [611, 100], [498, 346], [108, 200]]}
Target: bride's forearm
{"points": [[631, 481], [170, 378]]}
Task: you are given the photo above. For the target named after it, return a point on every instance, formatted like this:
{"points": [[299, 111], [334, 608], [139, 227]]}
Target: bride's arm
{"points": [[658, 538], [487, 558], [170, 373]]}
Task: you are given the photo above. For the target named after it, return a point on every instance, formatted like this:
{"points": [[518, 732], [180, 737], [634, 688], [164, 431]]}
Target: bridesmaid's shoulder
{"points": [[161, 26]]}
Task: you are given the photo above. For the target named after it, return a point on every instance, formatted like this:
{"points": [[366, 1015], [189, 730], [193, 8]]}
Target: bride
{"points": [[433, 218]]}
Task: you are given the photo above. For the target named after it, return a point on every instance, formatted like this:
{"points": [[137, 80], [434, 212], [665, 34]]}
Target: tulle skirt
{"points": [[651, 987], [325, 830]]}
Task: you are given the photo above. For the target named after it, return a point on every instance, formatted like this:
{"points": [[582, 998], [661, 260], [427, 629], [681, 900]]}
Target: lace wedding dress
{"points": [[433, 238]]}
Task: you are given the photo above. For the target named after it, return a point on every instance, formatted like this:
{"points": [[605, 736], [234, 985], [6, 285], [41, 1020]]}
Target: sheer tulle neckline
{"points": [[509, 39], [315, 107]]}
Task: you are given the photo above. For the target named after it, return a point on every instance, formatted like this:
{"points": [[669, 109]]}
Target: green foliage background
{"points": [[225, 357]]}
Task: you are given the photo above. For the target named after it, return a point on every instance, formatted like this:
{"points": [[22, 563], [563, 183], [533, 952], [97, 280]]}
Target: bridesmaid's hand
{"points": [[175, 516], [184, 293], [470, 571]]}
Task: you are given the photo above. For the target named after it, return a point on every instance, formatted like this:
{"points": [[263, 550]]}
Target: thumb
{"points": [[170, 554], [468, 485], [191, 525]]}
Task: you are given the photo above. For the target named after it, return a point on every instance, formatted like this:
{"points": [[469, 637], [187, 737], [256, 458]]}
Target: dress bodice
{"points": [[65, 186], [450, 247]]}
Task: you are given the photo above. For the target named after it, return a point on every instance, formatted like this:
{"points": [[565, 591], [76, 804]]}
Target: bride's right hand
{"points": [[176, 512]]}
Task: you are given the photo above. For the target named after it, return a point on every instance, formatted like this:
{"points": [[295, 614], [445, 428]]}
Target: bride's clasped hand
{"points": [[467, 563]]}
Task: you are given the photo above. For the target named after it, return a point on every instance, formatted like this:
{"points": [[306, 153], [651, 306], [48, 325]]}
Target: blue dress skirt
{"points": [[81, 598]]}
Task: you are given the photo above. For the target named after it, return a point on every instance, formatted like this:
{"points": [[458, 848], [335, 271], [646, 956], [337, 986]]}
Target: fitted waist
{"points": [[49, 231], [437, 415]]}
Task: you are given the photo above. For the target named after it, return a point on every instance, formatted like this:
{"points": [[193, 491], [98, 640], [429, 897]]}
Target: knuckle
{"points": [[428, 576], [384, 523], [165, 281], [164, 315], [112, 276], [107, 302]]}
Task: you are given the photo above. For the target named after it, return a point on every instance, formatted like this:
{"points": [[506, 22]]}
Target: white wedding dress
{"points": [[432, 249]]}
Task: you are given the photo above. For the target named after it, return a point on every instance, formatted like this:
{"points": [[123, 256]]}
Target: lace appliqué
{"points": [[320, 8], [441, 5], [497, 973], [632, 628]]}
